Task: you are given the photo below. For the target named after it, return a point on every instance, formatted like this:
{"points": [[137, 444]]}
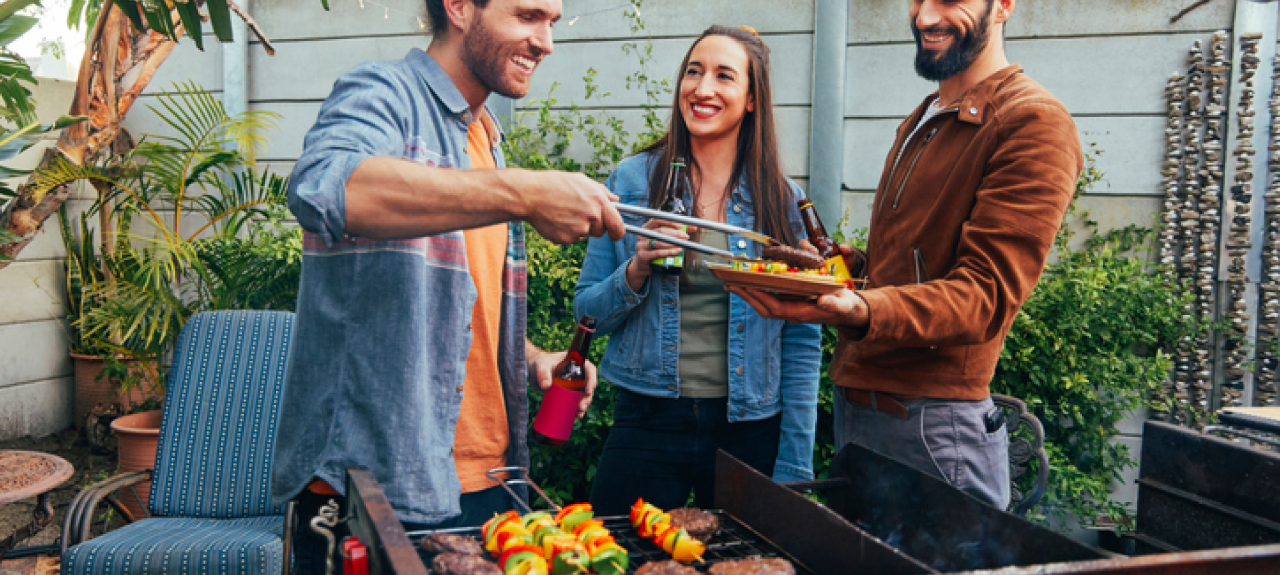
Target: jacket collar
{"points": [[974, 102], [443, 88]]}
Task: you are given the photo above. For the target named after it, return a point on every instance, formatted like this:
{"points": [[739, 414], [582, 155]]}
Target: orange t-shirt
{"points": [[482, 439]]}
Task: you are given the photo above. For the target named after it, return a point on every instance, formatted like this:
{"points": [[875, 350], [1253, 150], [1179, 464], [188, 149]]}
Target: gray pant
{"points": [[944, 438]]}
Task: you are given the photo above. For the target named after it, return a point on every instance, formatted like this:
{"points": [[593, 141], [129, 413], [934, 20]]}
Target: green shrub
{"points": [[539, 138], [1091, 345]]}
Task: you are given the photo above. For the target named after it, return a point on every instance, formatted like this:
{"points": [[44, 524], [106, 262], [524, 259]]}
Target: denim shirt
{"points": [[383, 326], [645, 346]]}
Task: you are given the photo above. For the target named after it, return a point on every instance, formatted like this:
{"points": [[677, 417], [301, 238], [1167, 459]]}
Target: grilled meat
{"points": [[700, 524], [754, 566], [459, 564], [793, 257], [450, 543], [666, 568]]}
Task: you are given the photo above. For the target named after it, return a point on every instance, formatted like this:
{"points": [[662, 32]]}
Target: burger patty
{"points": [[459, 564], [793, 257], [698, 523], [450, 543], [754, 566], [666, 568]]}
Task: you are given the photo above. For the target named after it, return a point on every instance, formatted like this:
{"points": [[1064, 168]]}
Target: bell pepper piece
{"points": [[594, 544], [573, 520], [543, 532], [636, 510], [507, 523], [688, 549], [655, 522], [555, 544], [532, 516], [513, 540], [667, 539], [574, 508], [570, 562], [532, 565], [516, 554], [610, 562], [592, 531], [486, 529]]}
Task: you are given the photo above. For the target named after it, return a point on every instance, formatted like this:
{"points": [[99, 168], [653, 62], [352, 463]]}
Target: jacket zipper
{"points": [[912, 166], [922, 274]]}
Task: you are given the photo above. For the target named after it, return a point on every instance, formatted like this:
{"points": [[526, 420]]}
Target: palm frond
{"points": [[246, 196]]}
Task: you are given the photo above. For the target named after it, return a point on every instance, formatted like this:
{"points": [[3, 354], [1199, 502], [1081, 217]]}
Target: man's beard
{"points": [[964, 50], [487, 60]]}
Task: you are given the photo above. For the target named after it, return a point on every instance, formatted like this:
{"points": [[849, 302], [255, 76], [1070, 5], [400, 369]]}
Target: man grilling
{"points": [[410, 355], [973, 192]]}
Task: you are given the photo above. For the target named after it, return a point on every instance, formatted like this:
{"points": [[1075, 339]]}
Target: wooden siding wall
{"points": [[35, 371]]}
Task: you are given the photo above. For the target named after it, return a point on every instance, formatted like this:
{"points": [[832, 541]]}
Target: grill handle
{"points": [[519, 476], [819, 484]]}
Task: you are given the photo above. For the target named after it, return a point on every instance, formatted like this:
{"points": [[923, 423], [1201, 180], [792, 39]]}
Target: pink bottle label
{"points": [[558, 411]]}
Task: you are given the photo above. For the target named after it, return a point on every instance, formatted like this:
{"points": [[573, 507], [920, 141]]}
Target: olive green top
{"points": [[704, 327]]}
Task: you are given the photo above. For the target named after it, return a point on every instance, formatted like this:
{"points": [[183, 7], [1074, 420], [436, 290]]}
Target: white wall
{"points": [[35, 371]]}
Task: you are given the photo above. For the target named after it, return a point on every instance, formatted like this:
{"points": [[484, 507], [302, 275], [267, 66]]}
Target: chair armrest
{"points": [[75, 526]]}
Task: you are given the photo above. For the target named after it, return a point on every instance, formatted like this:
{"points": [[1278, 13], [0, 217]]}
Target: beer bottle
{"points": [[559, 408], [674, 202], [827, 247]]}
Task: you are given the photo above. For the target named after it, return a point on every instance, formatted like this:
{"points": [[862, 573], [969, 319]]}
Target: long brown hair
{"points": [[757, 156]]}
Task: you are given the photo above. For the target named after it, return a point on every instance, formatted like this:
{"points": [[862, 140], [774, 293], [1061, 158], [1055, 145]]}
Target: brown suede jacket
{"points": [[964, 218]]}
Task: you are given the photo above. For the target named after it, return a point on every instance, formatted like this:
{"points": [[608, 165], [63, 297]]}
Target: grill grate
{"points": [[733, 541]]}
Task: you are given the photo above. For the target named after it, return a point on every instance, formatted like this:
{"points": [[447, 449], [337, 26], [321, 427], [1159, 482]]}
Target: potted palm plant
{"points": [[195, 227]]}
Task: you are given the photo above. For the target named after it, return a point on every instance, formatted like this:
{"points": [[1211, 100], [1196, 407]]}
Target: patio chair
{"points": [[210, 510]]}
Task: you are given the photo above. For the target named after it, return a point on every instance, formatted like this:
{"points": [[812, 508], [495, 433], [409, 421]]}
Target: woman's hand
{"points": [[648, 250]]}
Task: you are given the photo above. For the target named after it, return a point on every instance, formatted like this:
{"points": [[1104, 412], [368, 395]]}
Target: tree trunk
{"points": [[117, 52]]}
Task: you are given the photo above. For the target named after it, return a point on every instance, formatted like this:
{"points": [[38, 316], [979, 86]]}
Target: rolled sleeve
{"points": [[362, 118]]}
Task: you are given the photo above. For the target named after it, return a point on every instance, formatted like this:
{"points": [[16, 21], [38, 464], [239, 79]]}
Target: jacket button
{"points": [[466, 117], [459, 389], [973, 111], [738, 370], [468, 326], [742, 244], [737, 208], [742, 411], [742, 327]]}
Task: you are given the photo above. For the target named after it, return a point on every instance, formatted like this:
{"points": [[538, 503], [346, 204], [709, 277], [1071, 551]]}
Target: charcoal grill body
{"points": [[938, 529], [1198, 491]]}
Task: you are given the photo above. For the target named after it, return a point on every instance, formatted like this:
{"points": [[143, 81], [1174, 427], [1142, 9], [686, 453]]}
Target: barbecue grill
{"points": [[882, 518]]}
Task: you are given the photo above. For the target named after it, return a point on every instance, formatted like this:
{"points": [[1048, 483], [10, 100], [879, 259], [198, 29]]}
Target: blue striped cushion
{"points": [[249, 546], [220, 410]]}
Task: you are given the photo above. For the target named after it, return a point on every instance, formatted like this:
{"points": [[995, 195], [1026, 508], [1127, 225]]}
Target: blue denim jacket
{"points": [[642, 353], [382, 327]]}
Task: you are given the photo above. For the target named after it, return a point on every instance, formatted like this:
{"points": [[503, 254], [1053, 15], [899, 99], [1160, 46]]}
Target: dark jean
{"points": [[663, 449]]}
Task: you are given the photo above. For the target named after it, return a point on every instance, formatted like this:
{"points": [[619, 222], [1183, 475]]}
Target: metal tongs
{"points": [[697, 222]]}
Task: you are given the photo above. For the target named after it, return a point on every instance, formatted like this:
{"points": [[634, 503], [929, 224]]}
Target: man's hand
{"points": [[541, 364], [565, 207], [843, 308]]}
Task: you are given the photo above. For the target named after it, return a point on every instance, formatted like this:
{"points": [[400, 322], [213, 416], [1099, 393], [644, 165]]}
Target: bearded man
{"points": [[971, 197], [409, 355]]}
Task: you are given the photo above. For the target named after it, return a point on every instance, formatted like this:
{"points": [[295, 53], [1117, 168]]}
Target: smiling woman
{"points": [[694, 368]]}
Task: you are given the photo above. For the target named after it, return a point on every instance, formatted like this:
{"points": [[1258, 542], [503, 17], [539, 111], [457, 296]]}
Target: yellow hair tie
{"points": [[749, 29]]}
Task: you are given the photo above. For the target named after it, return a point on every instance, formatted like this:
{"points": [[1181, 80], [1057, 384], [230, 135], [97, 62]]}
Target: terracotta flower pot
{"points": [[91, 390], [138, 436]]}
